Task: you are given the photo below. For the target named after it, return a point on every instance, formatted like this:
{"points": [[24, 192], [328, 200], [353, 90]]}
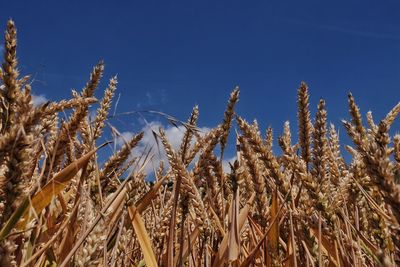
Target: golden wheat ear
{"points": [[228, 116], [356, 116], [103, 110], [320, 143], [10, 73], [257, 181], [116, 161], [270, 161], [305, 125], [285, 141]]}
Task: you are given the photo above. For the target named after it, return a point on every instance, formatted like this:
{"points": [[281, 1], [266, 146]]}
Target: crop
{"points": [[60, 205]]}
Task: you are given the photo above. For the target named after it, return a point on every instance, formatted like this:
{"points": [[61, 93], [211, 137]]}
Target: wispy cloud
{"points": [[368, 34], [38, 100], [349, 31], [152, 99]]}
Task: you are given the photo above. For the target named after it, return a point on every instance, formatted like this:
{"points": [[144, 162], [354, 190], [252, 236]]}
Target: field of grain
{"points": [[60, 205]]}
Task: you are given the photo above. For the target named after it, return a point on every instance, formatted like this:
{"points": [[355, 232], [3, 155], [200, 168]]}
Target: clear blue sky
{"points": [[170, 55]]}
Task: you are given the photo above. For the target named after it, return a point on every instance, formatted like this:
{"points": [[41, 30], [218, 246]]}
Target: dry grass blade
{"points": [[326, 245], [186, 247], [273, 236], [219, 258], [43, 198], [250, 258], [110, 203], [50, 242], [142, 204], [233, 251], [143, 238], [13, 220]]}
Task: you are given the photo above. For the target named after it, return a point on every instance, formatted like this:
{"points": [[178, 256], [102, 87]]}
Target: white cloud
{"points": [[225, 164], [173, 134], [92, 114], [38, 100], [123, 138]]}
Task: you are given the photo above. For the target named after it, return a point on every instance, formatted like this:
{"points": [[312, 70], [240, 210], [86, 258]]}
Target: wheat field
{"points": [[61, 205]]}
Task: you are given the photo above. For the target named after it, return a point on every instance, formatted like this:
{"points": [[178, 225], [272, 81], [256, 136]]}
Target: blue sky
{"points": [[170, 55]]}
